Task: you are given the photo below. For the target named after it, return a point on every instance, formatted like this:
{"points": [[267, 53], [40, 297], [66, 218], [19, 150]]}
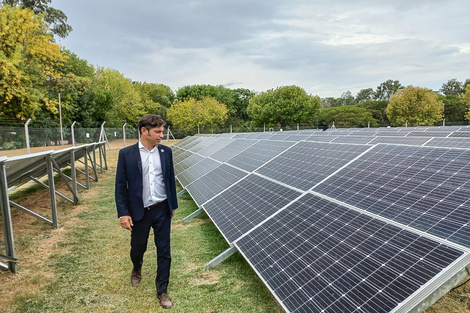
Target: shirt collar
{"points": [[142, 147]]}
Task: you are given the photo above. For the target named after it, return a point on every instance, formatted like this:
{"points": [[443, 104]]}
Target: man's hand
{"points": [[173, 213], [126, 222]]}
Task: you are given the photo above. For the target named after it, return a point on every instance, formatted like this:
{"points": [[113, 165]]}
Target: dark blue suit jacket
{"points": [[128, 190]]}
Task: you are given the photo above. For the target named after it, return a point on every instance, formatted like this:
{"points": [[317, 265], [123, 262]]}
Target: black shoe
{"points": [[136, 277], [165, 301]]}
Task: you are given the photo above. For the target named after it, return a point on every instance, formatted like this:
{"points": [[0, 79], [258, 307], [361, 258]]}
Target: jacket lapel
{"points": [[162, 153], [136, 154]]}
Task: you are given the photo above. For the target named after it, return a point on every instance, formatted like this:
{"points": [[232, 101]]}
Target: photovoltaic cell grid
{"points": [[318, 256], [181, 156], [187, 162], [232, 149], [307, 163], [258, 154], [214, 182], [412, 141], [246, 204], [215, 146], [453, 142], [196, 171], [424, 188], [353, 139]]}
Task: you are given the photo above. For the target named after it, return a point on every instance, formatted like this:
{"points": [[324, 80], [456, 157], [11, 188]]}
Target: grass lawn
{"points": [[84, 265]]}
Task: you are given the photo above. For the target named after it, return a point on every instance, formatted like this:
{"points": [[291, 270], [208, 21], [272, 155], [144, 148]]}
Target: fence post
{"points": [[124, 133], [26, 132], [73, 133], [168, 134]]}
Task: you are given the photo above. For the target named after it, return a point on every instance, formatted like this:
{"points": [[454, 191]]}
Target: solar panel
{"points": [[181, 156], [196, 171], [318, 256], [307, 163], [353, 139], [232, 149], [460, 133], [425, 188], [187, 162], [215, 146], [258, 154], [247, 203], [214, 182], [448, 142], [429, 133], [413, 141]]}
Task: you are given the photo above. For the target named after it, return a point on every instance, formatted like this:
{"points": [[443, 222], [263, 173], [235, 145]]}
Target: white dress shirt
{"points": [[152, 176]]}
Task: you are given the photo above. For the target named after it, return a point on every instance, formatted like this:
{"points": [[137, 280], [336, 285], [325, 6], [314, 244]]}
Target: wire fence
{"points": [[15, 137]]}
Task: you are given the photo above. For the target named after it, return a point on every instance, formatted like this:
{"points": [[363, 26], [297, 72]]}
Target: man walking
{"points": [[145, 197]]}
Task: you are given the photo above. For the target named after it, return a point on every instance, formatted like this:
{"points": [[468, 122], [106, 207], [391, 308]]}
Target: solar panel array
{"points": [[350, 220]]}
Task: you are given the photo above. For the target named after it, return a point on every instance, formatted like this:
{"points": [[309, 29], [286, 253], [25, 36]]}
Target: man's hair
{"points": [[150, 121]]}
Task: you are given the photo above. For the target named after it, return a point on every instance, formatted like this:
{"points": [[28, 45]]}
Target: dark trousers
{"points": [[159, 218]]}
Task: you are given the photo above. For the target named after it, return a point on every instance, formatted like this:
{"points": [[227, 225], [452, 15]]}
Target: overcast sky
{"points": [[325, 47]]}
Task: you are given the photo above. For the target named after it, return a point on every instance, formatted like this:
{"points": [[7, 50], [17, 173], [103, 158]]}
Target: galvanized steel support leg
{"points": [[220, 258], [191, 216], [7, 224]]}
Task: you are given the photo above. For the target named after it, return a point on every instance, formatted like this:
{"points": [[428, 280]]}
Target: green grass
{"points": [[91, 267]]}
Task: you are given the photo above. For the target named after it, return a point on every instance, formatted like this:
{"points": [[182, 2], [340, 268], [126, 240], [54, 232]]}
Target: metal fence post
{"points": [[124, 134], [73, 134], [26, 132]]}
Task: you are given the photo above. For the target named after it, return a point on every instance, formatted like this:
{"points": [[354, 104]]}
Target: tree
{"points": [[193, 113], [330, 102], [467, 101], [29, 60], [347, 116], [284, 105], [387, 89], [452, 88], [158, 93], [365, 95], [377, 108], [127, 103], [54, 18], [415, 105], [347, 98]]}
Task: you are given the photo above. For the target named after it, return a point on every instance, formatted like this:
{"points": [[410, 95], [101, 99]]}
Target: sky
{"points": [[325, 47]]}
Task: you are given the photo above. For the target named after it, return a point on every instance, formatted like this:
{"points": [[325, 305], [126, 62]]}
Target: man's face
{"points": [[152, 136]]}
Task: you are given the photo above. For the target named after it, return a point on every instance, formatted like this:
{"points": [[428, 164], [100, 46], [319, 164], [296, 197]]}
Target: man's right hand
{"points": [[126, 222]]}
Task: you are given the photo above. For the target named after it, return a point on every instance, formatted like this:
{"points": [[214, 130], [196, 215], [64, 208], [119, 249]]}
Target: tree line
{"points": [[38, 78]]}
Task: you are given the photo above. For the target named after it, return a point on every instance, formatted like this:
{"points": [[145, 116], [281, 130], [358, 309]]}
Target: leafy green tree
{"points": [[158, 93], [347, 116], [453, 88], [29, 60], [466, 98], [387, 89], [330, 102], [193, 113], [127, 103], [242, 100], [54, 18], [418, 106], [365, 95], [284, 105], [347, 98], [377, 108], [220, 93], [454, 108]]}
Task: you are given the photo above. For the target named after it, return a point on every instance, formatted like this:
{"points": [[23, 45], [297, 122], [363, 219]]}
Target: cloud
{"points": [[326, 48]]}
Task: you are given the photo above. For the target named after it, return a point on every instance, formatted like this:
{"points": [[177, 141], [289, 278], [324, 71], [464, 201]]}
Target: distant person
{"points": [[145, 197]]}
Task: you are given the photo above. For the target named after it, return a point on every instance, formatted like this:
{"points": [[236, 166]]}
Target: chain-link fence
{"points": [[14, 137]]}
